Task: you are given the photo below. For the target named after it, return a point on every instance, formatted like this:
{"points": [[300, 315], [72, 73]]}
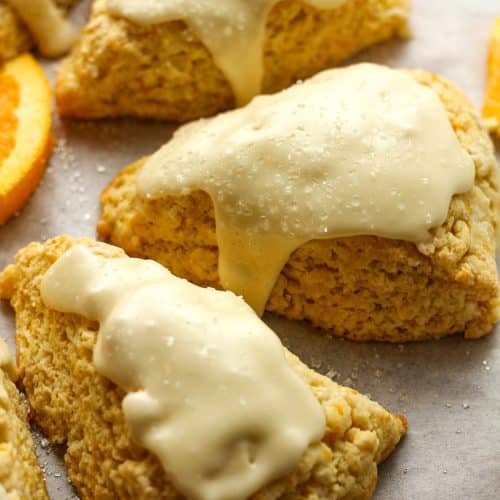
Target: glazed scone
{"points": [[163, 71], [20, 474], [363, 287], [14, 36], [73, 404]]}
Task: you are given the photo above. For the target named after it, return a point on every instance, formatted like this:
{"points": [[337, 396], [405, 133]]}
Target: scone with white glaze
{"points": [[182, 60], [16, 36], [20, 474], [391, 269], [62, 370]]}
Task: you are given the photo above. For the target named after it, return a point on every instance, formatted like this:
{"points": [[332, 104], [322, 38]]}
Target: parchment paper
{"points": [[448, 389]]}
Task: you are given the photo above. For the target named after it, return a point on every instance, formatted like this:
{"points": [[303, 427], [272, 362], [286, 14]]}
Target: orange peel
{"points": [[491, 108], [25, 131]]}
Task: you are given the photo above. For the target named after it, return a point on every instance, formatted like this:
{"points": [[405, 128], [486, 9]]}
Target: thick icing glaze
{"points": [[53, 34]]}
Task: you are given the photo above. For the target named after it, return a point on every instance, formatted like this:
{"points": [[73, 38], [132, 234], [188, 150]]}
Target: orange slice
{"points": [[25, 131], [491, 108]]}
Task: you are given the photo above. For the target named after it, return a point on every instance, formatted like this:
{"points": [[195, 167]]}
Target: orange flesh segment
{"points": [[9, 100], [491, 108], [25, 131]]}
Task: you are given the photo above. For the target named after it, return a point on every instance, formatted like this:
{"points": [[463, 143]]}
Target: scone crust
{"points": [[164, 72], [20, 474], [361, 288], [73, 404]]}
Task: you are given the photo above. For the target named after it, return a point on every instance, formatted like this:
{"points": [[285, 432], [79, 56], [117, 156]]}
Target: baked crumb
{"points": [[20, 475]]}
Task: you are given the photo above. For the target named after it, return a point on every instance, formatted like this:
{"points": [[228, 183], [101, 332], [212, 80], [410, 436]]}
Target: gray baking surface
{"points": [[447, 389]]}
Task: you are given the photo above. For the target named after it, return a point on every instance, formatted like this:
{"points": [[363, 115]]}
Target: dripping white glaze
{"points": [[232, 30], [363, 150], [52, 33], [209, 389]]}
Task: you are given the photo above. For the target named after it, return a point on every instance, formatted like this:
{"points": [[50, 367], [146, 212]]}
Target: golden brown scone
{"points": [[74, 404], [20, 474], [361, 288], [163, 71], [14, 37]]}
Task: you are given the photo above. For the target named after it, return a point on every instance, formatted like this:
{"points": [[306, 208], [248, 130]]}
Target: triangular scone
{"points": [[363, 287], [163, 71], [14, 37], [20, 474], [73, 404]]}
